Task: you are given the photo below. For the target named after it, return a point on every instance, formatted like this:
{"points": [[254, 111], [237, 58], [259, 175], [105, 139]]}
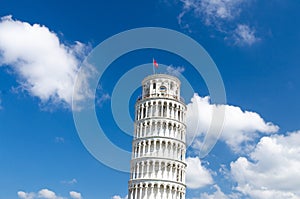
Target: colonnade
{"points": [[156, 190], [160, 108], [158, 169], [156, 147], [160, 127]]}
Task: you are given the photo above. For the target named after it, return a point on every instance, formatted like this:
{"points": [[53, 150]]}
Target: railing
{"points": [[140, 97]]}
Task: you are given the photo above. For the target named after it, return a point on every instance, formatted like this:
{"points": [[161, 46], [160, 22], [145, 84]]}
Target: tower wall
{"points": [[158, 148]]}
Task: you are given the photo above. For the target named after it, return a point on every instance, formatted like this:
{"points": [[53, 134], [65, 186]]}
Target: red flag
{"points": [[155, 63]]}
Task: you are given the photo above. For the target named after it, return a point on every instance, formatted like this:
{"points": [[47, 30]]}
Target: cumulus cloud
{"points": [[59, 140], [46, 68], [244, 35], [119, 197], [222, 16], [75, 195], [197, 175], [24, 195], [102, 97], [46, 194], [175, 71], [213, 12], [240, 128], [271, 170], [217, 194], [70, 182]]}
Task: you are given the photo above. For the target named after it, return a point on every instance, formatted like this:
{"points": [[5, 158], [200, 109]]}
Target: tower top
{"points": [[161, 76], [162, 86]]}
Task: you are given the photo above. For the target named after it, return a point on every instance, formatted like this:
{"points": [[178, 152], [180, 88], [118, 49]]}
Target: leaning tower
{"points": [[158, 148]]}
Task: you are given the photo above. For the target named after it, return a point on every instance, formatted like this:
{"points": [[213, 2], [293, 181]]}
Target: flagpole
{"points": [[153, 66]]}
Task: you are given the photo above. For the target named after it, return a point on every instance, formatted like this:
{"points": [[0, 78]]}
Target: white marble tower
{"points": [[158, 148]]}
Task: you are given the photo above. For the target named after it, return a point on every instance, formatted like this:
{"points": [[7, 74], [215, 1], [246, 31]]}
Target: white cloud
{"points": [[217, 194], [24, 195], [42, 194], [214, 11], [175, 71], [244, 35], [197, 175], [119, 197], [102, 98], [272, 169], [222, 15], [240, 128], [75, 195], [46, 68], [59, 140], [70, 182], [48, 194]]}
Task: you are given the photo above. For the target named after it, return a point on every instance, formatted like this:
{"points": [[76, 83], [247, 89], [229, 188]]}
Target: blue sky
{"points": [[255, 45]]}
